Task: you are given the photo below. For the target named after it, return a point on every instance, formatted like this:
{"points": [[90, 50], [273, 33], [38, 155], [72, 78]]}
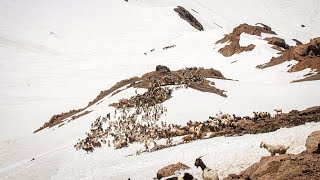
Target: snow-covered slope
{"points": [[58, 55]]}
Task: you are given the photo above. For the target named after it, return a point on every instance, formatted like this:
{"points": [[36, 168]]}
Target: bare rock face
{"points": [[171, 169], [313, 142], [234, 38], [235, 48], [186, 15], [277, 42], [313, 45], [307, 55]]}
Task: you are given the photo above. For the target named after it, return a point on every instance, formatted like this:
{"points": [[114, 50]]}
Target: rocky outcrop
{"points": [[58, 119], [297, 41], [195, 78], [171, 169], [265, 125], [307, 55], [234, 38], [251, 126], [187, 16], [163, 69], [277, 42], [313, 142], [153, 96], [288, 166], [235, 48]]}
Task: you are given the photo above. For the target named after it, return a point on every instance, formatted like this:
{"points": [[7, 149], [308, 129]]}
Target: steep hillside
{"points": [[97, 61]]}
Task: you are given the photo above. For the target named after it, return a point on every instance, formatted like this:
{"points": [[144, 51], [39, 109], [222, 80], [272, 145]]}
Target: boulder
{"points": [[171, 169], [161, 68], [313, 141], [187, 16]]}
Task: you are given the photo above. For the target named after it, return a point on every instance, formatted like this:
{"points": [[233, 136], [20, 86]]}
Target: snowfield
{"points": [[226, 154], [58, 55]]}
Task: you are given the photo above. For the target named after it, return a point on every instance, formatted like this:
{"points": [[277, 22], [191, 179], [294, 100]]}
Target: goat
{"points": [[278, 111], [121, 144], [273, 149], [207, 173], [257, 115], [169, 141], [157, 146], [77, 146], [184, 176], [187, 138], [88, 149]]}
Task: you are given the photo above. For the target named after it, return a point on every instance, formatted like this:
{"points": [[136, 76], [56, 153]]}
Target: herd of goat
{"points": [[126, 128], [143, 126]]}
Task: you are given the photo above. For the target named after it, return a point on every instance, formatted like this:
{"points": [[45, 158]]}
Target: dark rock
{"points": [[278, 42], [297, 42], [161, 68], [186, 15]]}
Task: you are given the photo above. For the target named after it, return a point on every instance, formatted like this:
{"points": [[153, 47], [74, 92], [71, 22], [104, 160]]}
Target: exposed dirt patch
{"points": [[288, 166], [234, 38], [187, 16], [307, 55], [190, 77]]}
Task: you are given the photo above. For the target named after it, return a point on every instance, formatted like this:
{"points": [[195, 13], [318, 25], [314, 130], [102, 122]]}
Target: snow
{"points": [[58, 55]]}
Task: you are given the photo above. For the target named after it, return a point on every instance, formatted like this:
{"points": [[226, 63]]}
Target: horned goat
{"points": [[207, 173], [274, 149]]}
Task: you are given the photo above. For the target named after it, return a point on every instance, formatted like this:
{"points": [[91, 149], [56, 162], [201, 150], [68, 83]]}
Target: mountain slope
{"points": [[56, 56]]}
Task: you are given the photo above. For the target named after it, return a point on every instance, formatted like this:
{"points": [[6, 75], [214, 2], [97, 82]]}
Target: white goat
{"points": [[278, 110], [273, 149], [207, 173]]}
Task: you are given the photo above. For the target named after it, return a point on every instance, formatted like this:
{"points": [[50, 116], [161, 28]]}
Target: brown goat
{"points": [[187, 138]]}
